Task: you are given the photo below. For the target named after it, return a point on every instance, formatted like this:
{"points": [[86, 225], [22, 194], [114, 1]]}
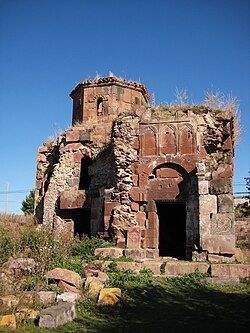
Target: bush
{"points": [[127, 278], [6, 246], [85, 248]]}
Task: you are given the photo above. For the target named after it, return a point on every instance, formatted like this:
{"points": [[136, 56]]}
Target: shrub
{"points": [[85, 248], [6, 246], [127, 278]]}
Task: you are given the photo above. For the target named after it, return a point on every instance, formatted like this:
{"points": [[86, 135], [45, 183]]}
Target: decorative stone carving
{"points": [[222, 224]]}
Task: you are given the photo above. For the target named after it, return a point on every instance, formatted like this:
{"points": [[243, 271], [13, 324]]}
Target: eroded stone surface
{"points": [[109, 296], [57, 315], [65, 275], [46, 297]]}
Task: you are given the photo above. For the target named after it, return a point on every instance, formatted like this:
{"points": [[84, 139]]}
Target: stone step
{"points": [[230, 270]]}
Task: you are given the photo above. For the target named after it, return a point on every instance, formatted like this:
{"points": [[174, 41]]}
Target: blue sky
{"points": [[48, 46]]}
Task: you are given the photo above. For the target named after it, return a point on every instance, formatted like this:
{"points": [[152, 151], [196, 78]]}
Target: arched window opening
{"points": [[99, 106], [84, 175]]}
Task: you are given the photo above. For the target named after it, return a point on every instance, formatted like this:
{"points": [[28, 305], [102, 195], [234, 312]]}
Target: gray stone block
{"points": [[57, 315], [84, 136]]}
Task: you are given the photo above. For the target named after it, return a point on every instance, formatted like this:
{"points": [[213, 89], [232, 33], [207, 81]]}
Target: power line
{"points": [[17, 191]]}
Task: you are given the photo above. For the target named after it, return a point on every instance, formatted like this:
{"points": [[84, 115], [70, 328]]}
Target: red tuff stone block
{"points": [[151, 233], [230, 270], [142, 168], [72, 136], [109, 206], [167, 173], [143, 179], [68, 201], [135, 180], [135, 206], [77, 157], [153, 266], [133, 237], [152, 216], [137, 194], [73, 146], [152, 243], [136, 144], [181, 268], [227, 145], [141, 218], [133, 266]]}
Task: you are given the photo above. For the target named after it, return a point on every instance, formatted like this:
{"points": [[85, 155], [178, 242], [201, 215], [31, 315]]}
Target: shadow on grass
{"points": [[164, 308]]}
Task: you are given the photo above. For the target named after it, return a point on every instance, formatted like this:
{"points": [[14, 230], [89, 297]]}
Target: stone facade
{"points": [[157, 180]]}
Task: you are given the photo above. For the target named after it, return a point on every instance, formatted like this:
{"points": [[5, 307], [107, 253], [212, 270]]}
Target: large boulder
{"points": [[66, 275], [57, 315], [109, 296]]}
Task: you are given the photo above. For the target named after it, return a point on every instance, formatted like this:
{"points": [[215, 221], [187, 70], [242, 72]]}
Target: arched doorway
{"points": [[175, 194]]}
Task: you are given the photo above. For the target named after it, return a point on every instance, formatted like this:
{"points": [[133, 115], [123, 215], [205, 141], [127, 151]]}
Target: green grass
{"points": [[166, 305]]}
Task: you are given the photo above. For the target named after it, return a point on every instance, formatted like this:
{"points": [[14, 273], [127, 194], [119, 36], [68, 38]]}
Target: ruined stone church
{"points": [[157, 180]]}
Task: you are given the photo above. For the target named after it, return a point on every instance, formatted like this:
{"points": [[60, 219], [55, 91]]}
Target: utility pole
{"points": [[6, 190]]}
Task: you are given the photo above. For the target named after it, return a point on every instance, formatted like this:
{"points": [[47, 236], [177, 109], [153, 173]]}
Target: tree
{"points": [[28, 203], [247, 180]]}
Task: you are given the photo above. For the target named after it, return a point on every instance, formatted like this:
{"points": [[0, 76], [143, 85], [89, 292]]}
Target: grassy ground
{"points": [[167, 305]]}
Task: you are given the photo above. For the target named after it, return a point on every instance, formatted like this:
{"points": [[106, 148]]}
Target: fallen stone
{"points": [[8, 321], [46, 297], [109, 296], [93, 286], [19, 266], [26, 313], [68, 297], [65, 275], [113, 252], [57, 315], [183, 267], [9, 301], [68, 287]]}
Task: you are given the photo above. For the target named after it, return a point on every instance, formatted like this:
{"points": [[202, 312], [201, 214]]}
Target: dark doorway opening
{"points": [[85, 178], [172, 229], [81, 218]]}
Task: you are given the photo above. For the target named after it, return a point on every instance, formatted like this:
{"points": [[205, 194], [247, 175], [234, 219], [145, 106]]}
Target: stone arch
{"points": [[148, 141], [186, 139], [168, 140]]}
